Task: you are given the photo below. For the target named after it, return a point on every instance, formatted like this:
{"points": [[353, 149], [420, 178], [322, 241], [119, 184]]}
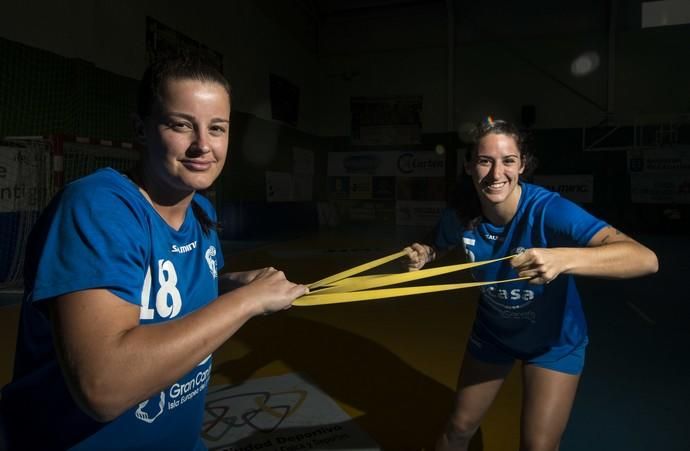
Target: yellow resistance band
{"points": [[341, 287]]}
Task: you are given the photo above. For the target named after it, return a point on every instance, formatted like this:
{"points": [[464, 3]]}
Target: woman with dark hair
{"points": [[538, 321], [122, 309]]}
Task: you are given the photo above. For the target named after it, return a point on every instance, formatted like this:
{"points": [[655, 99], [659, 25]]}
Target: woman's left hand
{"points": [[539, 264]]}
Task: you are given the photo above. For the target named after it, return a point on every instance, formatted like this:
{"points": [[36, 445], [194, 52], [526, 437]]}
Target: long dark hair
{"points": [[182, 65], [464, 198]]}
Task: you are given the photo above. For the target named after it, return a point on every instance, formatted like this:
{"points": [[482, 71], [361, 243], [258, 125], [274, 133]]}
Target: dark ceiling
{"points": [[502, 16]]}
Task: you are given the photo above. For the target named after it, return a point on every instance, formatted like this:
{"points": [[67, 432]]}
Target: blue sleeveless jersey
{"points": [[100, 232], [526, 320]]}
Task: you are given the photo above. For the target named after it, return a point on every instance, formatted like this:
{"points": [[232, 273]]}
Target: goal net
{"points": [[32, 170]]}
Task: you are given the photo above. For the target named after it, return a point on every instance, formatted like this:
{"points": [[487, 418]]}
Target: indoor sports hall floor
{"points": [[391, 364]]}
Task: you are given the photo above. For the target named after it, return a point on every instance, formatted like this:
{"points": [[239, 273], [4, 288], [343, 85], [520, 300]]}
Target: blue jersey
{"points": [[523, 319], [100, 232]]}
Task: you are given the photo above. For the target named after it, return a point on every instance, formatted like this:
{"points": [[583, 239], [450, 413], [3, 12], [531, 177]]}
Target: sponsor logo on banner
{"points": [[409, 163], [391, 163], [660, 176], [578, 187], [660, 188], [667, 160]]}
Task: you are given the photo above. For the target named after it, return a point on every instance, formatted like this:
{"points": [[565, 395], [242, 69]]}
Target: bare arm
{"points": [[609, 254], [111, 362]]}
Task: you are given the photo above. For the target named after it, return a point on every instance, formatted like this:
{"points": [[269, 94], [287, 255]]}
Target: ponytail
{"points": [[207, 224]]}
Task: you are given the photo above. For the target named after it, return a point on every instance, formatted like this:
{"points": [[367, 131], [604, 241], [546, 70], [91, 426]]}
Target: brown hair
{"points": [[464, 198], [178, 66]]}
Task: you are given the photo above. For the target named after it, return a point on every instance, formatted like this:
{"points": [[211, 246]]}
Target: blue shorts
{"points": [[571, 363]]}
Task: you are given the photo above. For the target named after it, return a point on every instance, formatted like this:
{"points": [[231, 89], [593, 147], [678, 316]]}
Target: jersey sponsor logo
{"points": [[491, 237], [510, 298], [148, 413], [180, 393], [509, 302], [184, 248], [528, 315], [211, 261]]}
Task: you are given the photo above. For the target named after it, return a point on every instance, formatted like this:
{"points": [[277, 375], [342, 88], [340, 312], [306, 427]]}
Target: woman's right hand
{"points": [[271, 290], [418, 255]]}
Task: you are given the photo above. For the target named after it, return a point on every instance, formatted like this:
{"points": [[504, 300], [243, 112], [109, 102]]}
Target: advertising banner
{"points": [[576, 187], [387, 163]]}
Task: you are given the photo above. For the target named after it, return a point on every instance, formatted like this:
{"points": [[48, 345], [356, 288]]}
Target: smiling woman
{"points": [[186, 136], [538, 321], [495, 171], [122, 305], [183, 120]]}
